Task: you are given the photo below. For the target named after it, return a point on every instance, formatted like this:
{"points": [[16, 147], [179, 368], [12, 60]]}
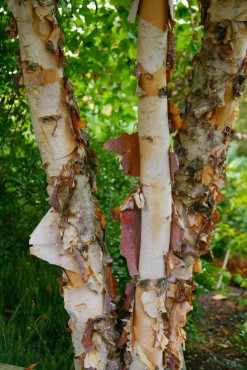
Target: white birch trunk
{"points": [[154, 143], [149, 340], [71, 234]]}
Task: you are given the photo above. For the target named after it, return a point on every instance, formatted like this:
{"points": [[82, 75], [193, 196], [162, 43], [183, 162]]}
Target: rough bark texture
{"points": [[161, 251], [160, 295], [146, 214], [71, 235], [201, 145]]}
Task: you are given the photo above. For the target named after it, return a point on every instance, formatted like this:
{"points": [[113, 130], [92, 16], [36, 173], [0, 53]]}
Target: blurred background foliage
{"points": [[101, 48]]}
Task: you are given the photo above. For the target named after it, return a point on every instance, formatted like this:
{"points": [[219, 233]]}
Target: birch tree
{"points": [[168, 221], [149, 339], [71, 234], [209, 114], [171, 243]]}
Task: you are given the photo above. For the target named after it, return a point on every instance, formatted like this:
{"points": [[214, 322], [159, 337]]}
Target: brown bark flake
{"points": [[128, 147]]}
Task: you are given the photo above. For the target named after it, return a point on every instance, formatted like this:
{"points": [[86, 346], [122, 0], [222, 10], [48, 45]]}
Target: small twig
{"points": [[133, 10], [218, 286], [182, 355]]}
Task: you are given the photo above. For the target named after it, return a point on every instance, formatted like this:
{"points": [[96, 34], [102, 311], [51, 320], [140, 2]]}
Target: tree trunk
{"points": [[163, 294], [148, 338], [71, 235], [201, 145], [162, 238]]}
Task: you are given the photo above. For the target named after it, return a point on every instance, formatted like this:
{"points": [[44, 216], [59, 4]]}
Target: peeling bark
{"points": [[145, 331], [201, 145], [163, 289], [130, 215], [163, 237], [127, 146], [71, 235], [147, 338]]}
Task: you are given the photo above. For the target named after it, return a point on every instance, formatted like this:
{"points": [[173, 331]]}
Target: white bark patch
{"points": [[228, 10], [81, 304], [152, 46], [139, 199], [154, 306], [154, 149], [155, 178], [45, 243], [144, 359], [55, 255], [55, 151], [44, 99], [149, 301]]}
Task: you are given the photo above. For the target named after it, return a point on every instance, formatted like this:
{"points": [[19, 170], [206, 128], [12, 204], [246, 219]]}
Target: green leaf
{"points": [[64, 5], [237, 279]]}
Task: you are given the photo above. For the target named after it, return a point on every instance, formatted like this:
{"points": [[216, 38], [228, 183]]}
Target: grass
{"points": [[33, 322]]}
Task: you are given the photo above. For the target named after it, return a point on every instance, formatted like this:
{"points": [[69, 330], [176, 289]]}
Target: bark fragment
{"points": [[130, 215], [175, 121], [127, 146], [11, 29]]}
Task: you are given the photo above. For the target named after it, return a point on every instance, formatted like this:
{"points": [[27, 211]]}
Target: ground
{"points": [[221, 342]]}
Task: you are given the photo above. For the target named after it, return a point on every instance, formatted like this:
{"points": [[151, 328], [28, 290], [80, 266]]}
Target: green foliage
{"points": [[33, 321], [208, 279], [239, 280], [232, 228], [22, 186], [192, 324], [188, 33], [101, 48]]}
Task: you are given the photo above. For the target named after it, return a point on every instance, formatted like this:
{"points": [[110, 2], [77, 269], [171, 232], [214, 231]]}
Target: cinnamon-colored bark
{"points": [[201, 144]]}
